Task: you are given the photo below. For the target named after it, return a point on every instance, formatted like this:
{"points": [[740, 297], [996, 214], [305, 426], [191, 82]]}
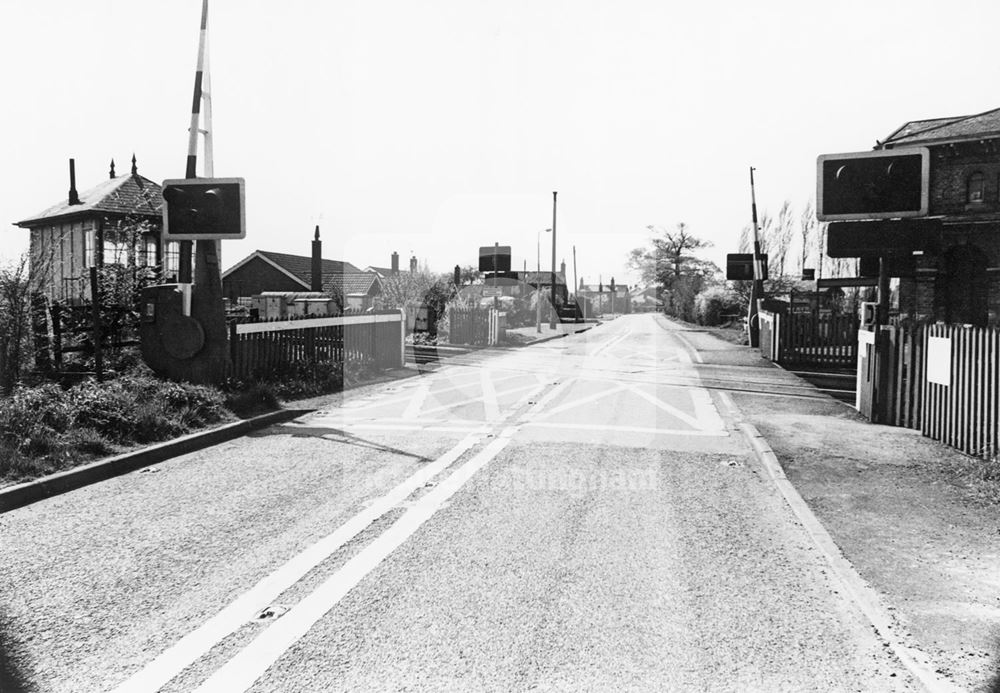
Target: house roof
{"points": [[620, 289], [940, 130], [350, 282], [126, 195], [298, 267], [541, 277], [381, 271]]}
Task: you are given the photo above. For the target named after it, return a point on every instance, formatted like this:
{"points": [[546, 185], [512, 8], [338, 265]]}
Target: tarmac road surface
{"points": [[574, 515]]}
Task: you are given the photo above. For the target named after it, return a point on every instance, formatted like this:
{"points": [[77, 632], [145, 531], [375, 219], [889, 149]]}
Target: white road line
{"points": [[673, 411], [406, 397], [490, 404], [417, 401], [240, 672], [479, 428], [188, 649], [473, 400], [583, 400], [628, 429], [704, 409]]}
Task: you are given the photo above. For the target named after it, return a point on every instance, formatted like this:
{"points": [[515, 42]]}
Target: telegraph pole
{"points": [[576, 287], [554, 314], [757, 290]]}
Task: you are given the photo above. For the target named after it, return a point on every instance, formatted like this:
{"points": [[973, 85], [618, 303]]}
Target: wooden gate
{"points": [[814, 339]]}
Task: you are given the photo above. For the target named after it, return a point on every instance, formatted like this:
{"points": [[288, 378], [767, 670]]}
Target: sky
{"points": [[433, 128]]}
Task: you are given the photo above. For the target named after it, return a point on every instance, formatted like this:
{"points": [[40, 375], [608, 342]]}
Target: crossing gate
{"points": [[479, 326]]}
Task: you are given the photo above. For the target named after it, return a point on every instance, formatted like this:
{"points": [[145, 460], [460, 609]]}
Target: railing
{"points": [[260, 349]]}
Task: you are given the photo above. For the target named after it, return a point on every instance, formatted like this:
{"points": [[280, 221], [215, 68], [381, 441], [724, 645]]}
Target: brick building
{"points": [[264, 271], [955, 277]]}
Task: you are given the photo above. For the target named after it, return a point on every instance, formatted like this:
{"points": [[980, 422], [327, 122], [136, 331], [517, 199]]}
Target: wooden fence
{"points": [[809, 339], [961, 388], [943, 380], [261, 349], [473, 326]]}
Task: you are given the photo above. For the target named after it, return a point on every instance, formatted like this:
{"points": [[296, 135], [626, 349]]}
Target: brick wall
{"points": [[257, 276]]}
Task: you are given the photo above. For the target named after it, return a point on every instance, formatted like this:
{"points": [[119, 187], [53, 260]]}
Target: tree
{"points": [[15, 315], [671, 264]]}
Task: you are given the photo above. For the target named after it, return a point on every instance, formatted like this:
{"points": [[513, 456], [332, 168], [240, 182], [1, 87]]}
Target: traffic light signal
{"points": [[881, 184], [203, 209]]}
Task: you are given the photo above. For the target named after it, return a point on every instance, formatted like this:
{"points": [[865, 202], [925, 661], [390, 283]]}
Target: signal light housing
{"points": [[204, 209]]}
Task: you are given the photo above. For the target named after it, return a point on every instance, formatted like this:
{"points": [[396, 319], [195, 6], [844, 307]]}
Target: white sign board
{"points": [[939, 360], [489, 291]]}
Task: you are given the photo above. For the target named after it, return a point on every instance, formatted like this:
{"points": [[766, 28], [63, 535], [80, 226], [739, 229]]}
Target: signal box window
{"points": [[976, 187]]}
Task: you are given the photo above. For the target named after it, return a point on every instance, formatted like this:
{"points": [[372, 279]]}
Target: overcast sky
{"points": [[438, 126]]}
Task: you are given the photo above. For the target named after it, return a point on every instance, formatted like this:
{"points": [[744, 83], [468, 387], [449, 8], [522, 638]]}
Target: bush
{"points": [[714, 302], [44, 428]]}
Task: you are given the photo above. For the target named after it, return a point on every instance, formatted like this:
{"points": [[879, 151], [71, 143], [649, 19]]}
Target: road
{"points": [[581, 514]]}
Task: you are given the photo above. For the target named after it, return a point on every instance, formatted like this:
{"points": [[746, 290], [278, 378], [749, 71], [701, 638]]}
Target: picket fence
{"points": [[943, 380], [260, 349]]}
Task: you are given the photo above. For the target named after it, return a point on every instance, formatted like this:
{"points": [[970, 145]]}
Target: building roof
{"points": [[297, 267], [941, 130], [380, 271], [620, 289], [347, 283], [126, 195], [540, 277]]}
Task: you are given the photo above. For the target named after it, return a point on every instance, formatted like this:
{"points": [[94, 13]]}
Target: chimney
{"points": [[74, 198], [395, 262], [413, 263], [111, 173], [316, 283], [562, 268]]}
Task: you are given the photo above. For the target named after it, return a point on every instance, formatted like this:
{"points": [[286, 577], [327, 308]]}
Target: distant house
{"points": [[264, 271], [115, 222], [384, 272]]}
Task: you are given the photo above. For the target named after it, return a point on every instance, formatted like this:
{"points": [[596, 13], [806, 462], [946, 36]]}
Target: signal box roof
{"points": [[944, 130]]}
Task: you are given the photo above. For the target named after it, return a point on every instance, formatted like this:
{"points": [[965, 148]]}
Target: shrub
{"points": [[714, 302]]}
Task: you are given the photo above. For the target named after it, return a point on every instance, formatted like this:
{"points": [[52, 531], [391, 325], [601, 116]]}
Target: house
{"points": [[265, 271], [954, 274], [116, 222], [600, 297], [384, 272]]}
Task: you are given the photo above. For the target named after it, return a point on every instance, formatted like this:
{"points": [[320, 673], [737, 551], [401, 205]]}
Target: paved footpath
{"points": [[580, 514], [894, 502]]}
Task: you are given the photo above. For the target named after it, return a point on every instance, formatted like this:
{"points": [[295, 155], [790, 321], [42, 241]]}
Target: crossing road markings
{"points": [[172, 661], [611, 428], [240, 672]]}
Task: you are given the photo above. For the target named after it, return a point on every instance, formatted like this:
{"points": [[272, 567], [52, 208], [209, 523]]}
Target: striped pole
{"points": [[192, 157], [184, 260], [757, 289]]}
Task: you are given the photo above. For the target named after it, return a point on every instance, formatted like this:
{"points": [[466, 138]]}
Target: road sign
{"points": [[739, 266], [487, 254], [875, 238], [203, 209], [492, 291], [882, 184]]}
